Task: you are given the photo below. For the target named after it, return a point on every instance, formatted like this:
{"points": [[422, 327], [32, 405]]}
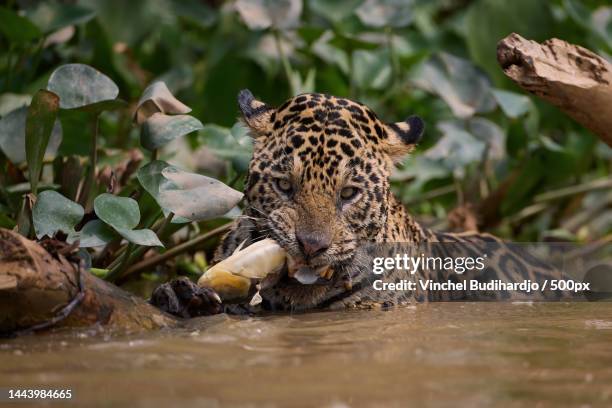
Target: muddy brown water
{"points": [[430, 355]]}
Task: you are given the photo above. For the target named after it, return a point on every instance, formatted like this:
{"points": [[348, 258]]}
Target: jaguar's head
{"points": [[318, 182]]}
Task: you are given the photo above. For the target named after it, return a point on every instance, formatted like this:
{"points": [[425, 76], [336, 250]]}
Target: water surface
{"points": [[430, 355]]}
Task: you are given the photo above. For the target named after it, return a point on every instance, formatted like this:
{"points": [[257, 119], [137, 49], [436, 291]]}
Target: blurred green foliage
{"points": [[523, 168]]}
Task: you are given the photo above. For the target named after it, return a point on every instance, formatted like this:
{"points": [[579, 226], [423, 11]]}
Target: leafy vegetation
{"points": [[110, 112]]}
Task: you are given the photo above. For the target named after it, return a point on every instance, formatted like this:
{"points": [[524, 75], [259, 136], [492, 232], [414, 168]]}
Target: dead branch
{"points": [[40, 289], [568, 76]]}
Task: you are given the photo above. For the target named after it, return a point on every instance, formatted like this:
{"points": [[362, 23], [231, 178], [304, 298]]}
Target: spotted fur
{"points": [[310, 154]]}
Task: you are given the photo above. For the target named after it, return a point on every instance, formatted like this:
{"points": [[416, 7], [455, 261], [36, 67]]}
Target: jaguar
{"points": [[319, 184]]}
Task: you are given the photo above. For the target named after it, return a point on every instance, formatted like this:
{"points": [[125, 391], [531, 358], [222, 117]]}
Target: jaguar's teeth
{"points": [[348, 283], [327, 273]]}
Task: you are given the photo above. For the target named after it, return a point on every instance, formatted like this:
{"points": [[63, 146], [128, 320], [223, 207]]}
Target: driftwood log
{"points": [[576, 80], [41, 289]]}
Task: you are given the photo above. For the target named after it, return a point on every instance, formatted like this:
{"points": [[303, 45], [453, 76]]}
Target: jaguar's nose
{"points": [[312, 244]]}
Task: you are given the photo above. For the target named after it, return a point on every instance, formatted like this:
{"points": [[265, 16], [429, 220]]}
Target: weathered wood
{"points": [[568, 76], [40, 289]]}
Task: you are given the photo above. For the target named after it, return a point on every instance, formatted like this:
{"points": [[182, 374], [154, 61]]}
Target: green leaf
{"points": [[40, 121], [190, 196], [150, 178], [491, 135], [371, 69], [160, 129], [131, 21], [16, 28], [196, 11], [13, 136], [420, 169], [279, 14], [385, 13], [118, 212], [6, 221], [460, 84], [79, 85], [144, 236], [329, 53], [513, 104], [51, 16], [95, 233], [334, 11], [457, 148], [157, 98], [233, 144], [123, 214], [53, 212], [194, 196]]}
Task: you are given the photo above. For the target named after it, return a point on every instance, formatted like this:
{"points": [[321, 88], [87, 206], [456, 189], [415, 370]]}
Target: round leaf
{"points": [[457, 148], [118, 212], [513, 104], [13, 140], [194, 196], [160, 129], [95, 233], [53, 212], [144, 237], [157, 98], [123, 214], [150, 178], [79, 85]]}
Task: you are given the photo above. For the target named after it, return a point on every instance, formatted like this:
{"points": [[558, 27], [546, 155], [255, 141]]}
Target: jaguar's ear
{"points": [[256, 114], [402, 137]]}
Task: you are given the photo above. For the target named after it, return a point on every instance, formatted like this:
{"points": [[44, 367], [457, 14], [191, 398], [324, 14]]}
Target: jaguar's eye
{"points": [[284, 185], [348, 193]]}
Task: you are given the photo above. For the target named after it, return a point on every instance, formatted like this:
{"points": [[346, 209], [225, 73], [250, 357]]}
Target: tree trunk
{"points": [[41, 288], [576, 80]]}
